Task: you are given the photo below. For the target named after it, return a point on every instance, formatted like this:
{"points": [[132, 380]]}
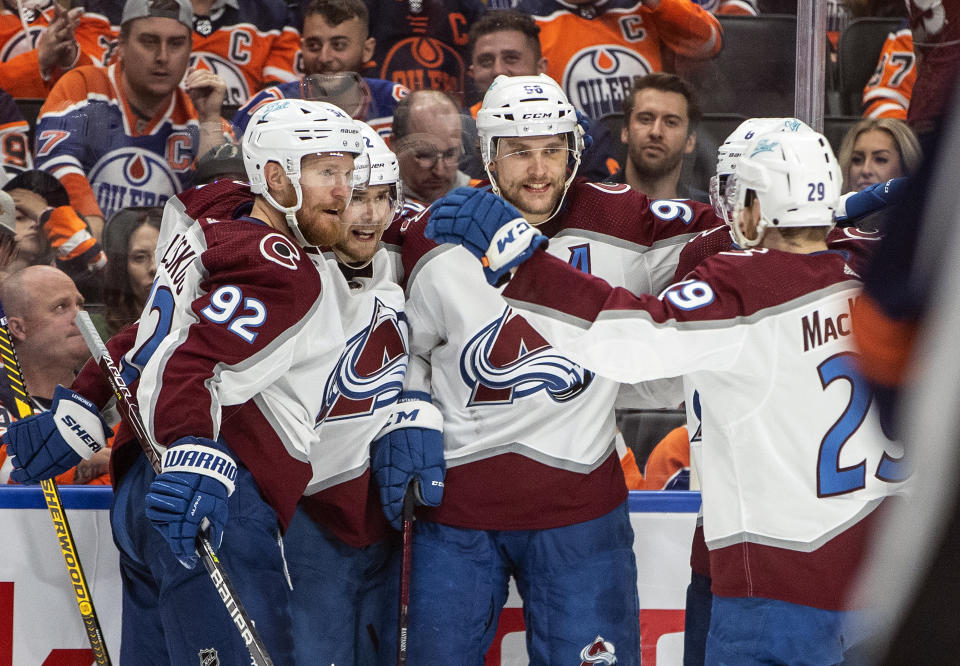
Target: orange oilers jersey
{"points": [[252, 45], [15, 153], [730, 7], [595, 51], [93, 33], [249, 43], [106, 157], [887, 93]]}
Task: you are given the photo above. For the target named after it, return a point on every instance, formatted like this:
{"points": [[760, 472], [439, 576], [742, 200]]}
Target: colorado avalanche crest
{"points": [[508, 360], [370, 372]]}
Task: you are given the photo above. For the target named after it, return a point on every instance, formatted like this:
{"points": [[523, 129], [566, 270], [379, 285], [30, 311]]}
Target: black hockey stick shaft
{"points": [[406, 562], [68, 546], [129, 411]]}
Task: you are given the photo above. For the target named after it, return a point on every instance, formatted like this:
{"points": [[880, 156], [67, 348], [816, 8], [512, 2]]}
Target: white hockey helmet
{"points": [[384, 170], [287, 130], [795, 177], [729, 152], [516, 106]]}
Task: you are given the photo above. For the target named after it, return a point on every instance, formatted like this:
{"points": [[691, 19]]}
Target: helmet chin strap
{"points": [[290, 213]]}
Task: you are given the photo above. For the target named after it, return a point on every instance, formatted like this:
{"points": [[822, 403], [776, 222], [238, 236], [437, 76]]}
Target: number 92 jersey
{"points": [[237, 339]]}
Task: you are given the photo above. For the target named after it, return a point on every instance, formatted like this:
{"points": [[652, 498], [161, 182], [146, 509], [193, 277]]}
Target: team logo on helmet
{"points": [[369, 374], [238, 91], [131, 176], [508, 360], [764, 146], [598, 78]]}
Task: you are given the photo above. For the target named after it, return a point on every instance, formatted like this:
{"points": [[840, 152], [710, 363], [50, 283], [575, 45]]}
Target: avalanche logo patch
{"points": [[131, 176], [508, 360], [278, 249], [598, 78], [598, 652], [370, 372]]}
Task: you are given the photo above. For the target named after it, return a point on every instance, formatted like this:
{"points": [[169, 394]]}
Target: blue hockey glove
{"points": [[197, 477], [584, 124], [488, 226], [855, 205], [409, 449], [50, 443]]}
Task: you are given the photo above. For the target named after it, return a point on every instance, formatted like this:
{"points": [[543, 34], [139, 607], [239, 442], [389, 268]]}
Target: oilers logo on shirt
{"points": [[132, 176], [370, 372], [21, 42], [598, 78], [238, 92], [508, 360]]}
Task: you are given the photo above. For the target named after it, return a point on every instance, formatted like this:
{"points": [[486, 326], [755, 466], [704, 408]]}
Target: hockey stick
{"points": [[68, 548], [406, 557], [127, 406]]}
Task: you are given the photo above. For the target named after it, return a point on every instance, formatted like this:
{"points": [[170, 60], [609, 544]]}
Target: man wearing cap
{"points": [[127, 134]]}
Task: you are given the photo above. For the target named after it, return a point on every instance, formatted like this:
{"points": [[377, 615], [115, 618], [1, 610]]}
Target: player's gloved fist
{"points": [[855, 205], [409, 449], [488, 226], [197, 476], [584, 124], [50, 443]]}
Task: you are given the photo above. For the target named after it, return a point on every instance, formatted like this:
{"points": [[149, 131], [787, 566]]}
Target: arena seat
{"points": [[754, 73], [857, 54]]}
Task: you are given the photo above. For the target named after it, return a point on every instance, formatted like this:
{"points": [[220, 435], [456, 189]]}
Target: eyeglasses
{"points": [[427, 159], [551, 155]]}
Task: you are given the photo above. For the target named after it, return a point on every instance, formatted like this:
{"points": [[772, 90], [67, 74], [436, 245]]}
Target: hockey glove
{"points": [[855, 205], [48, 444], [488, 226], [409, 449], [584, 124], [197, 477]]}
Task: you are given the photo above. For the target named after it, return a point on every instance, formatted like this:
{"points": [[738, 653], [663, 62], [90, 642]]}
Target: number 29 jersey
{"points": [[792, 461]]}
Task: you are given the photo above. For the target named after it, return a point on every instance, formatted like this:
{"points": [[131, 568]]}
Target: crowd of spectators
{"points": [[144, 98]]}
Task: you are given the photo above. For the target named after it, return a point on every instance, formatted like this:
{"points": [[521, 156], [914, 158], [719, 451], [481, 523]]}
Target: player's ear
{"points": [[542, 66], [275, 176], [691, 143], [368, 46]]}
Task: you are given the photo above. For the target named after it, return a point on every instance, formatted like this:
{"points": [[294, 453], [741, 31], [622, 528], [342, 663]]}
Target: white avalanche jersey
{"points": [[528, 433], [238, 337], [792, 461], [358, 397]]}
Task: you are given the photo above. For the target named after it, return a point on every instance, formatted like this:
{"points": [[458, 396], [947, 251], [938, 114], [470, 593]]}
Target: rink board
{"points": [[40, 623]]}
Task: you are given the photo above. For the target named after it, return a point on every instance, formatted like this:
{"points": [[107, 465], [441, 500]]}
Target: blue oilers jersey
{"points": [[383, 97], [104, 153]]}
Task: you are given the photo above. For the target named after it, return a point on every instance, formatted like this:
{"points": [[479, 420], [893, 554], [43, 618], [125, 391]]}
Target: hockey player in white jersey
{"points": [[340, 549], [534, 488], [793, 464], [241, 329]]}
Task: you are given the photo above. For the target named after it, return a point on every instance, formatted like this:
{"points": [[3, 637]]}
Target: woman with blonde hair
{"points": [[875, 150]]}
